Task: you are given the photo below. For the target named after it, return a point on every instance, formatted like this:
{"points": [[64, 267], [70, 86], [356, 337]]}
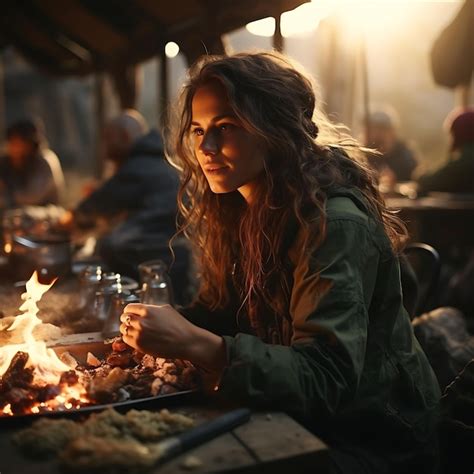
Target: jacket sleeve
{"points": [[118, 194], [218, 321], [323, 365]]}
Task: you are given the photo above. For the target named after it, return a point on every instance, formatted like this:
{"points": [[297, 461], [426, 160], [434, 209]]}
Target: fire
{"points": [[7, 247], [46, 367]]}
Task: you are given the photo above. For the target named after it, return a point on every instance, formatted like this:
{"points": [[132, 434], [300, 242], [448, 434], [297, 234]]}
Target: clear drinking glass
{"points": [[156, 284], [116, 307]]}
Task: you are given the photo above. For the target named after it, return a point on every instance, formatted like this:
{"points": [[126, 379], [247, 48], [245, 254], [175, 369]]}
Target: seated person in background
{"points": [[30, 173], [137, 203], [397, 161], [457, 175]]}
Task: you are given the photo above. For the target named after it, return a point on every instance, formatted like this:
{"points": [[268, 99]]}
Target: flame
{"points": [[47, 366], [7, 247]]}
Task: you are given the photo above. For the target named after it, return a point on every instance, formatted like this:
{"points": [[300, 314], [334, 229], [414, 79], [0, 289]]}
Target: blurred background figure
{"points": [[457, 175], [30, 173], [133, 213], [397, 160]]}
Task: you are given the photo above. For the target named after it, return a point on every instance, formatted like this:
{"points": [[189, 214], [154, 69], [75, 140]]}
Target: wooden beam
{"points": [[168, 13], [30, 31], [83, 26]]}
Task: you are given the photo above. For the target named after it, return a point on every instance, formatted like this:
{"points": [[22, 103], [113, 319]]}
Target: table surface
{"points": [[430, 203], [269, 441]]}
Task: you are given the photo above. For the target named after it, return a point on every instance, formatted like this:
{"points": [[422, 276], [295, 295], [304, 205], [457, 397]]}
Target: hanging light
{"points": [[171, 49]]}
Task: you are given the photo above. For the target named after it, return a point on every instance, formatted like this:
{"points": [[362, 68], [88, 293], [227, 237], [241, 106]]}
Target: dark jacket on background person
{"points": [[400, 159], [456, 176], [145, 184], [39, 184], [143, 192], [347, 363]]}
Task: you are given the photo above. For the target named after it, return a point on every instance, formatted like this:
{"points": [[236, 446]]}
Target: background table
{"points": [[438, 221]]}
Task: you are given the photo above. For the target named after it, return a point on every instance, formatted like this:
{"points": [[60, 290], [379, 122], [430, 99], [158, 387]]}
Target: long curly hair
{"points": [[306, 156]]}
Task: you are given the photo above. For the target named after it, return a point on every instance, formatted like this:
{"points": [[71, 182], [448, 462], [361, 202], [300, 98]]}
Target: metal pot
{"points": [[49, 255]]}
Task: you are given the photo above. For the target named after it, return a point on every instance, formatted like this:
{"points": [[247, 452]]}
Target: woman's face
{"points": [[231, 157]]}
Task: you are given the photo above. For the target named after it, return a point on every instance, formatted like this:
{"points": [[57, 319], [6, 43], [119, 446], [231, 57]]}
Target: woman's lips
{"points": [[215, 169]]}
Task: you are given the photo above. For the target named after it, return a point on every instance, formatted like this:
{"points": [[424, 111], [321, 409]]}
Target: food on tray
{"points": [[105, 441], [123, 374]]}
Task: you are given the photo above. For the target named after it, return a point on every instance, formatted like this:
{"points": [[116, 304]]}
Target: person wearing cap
{"points": [[457, 175], [30, 173], [397, 160]]}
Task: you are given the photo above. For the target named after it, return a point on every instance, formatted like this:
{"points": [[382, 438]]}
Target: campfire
{"points": [[35, 379], [32, 377]]}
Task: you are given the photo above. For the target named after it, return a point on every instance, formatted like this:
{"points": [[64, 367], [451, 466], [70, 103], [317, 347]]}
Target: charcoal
{"points": [[48, 392], [69, 378], [16, 374], [20, 400]]}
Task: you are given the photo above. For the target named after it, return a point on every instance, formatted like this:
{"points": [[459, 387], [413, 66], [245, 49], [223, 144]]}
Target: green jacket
{"points": [[456, 176], [352, 368]]}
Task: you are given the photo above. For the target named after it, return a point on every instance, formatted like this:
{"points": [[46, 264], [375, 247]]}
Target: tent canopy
{"points": [[452, 55]]}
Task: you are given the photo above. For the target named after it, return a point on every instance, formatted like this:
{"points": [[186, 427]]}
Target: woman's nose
{"points": [[210, 143]]}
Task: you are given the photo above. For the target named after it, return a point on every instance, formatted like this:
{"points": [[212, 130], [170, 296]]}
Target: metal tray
{"points": [[99, 349]]}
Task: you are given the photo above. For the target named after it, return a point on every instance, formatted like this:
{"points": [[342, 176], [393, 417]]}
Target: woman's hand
{"points": [[163, 332]]}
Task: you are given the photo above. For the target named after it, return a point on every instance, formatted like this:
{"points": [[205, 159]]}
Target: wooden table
{"points": [[269, 442], [439, 221]]}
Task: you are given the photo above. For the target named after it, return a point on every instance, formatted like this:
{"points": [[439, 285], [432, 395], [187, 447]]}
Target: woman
{"points": [[300, 305]]}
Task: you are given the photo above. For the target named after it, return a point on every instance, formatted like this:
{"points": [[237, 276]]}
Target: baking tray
{"points": [[99, 349]]}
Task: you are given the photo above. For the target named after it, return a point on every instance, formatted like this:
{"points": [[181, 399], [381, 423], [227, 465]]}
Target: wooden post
{"points": [[365, 88], [100, 123], [2, 101], [462, 93], [126, 84], [163, 88], [330, 68], [351, 101], [278, 40]]}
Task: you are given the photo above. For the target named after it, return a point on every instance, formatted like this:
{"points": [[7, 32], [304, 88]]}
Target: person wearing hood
{"points": [[138, 204]]}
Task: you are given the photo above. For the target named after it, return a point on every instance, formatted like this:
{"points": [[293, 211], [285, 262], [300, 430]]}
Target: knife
{"points": [[177, 444]]}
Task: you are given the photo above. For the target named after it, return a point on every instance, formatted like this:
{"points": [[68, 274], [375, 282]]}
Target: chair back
{"points": [[426, 263]]}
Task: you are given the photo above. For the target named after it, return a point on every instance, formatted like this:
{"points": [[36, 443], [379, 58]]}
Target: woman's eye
{"points": [[225, 127], [197, 131]]}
